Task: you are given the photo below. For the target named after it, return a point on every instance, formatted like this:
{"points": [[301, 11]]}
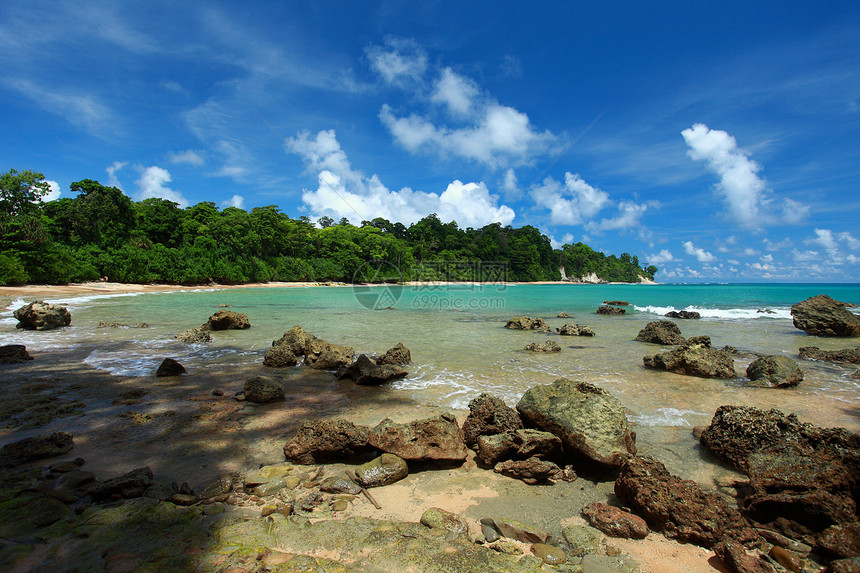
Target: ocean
{"points": [[460, 347]]}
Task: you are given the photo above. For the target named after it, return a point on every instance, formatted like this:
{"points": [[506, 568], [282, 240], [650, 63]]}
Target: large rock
{"points": [[39, 315], [610, 310], [663, 332], [589, 422], [543, 348], [170, 367], [384, 470], [228, 320], [850, 355], [531, 471], [296, 339], [520, 445], [433, 439], [264, 390], [684, 314], [194, 335], [35, 448], [614, 521], [678, 508], [14, 354], [399, 354], [823, 316], [526, 323], [575, 330], [734, 556], [366, 372], [489, 415], [131, 484], [280, 357], [694, 359], [777, 371], [323, 355], [325, 441]]}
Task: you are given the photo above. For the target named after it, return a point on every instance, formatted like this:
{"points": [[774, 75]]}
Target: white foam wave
{"points": [[451, 388], [723, 313], [666, 417]]}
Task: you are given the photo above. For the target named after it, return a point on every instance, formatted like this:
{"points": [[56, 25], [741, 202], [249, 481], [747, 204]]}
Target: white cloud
{"points": [[81, 109], [566, 239], [851, 242], [771, 246], [115, 167], [804, 255], [746, 196], [235, 201], [629, 215], [399, 61], [573, 203], [701, 255], [456, 92], [187, 157], [510, 185], [53, 191], [664, 256], [152, 183], [767, 258], [824, 238], [345, 192]]}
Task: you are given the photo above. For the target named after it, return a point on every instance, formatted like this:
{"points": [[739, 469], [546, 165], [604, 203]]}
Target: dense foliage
{"points": [[101, 232]]}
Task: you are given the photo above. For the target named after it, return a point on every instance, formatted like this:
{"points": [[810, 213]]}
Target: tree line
{"points": [[101, 232]]}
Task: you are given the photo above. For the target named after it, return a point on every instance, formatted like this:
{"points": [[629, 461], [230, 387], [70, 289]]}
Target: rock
{"points": [[549, 554], [339, 485], [397, 355], [14, 354], [683, 314], [546, 347], [822, 316], [489, 415], [734, 556], [582, 539], [532, 471], [39, 315], [611, 310], [436, 518], [850, 355], [526, 323], [131, 484], [170, 367], [615, 522], [322, 355], [384, 470], [35, 448], [563, 315], [516, 530], [228, 320], [365, 371], [44, 511], [194, 336], [841, 541], [777, 371], [680, 509], [518, 444], [184, 499], [575, 330], [616, 302], [215, 487], [850, 565], [280, 357], [589, 422], [694, 360], [324, 440], [296, 339], [263, 390], [663, 332], [787, 559], [433, 439]]}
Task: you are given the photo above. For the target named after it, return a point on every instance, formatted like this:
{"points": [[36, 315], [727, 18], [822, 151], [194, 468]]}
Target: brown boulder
{"points": [[850, 355], [575, 330], [323, 355], [661, 332], [519, 444], [14, 354], [297, 339], [547, 347], [366, 372], [777, 371], [170, 367], [734, 556], [384, 470], [614, 521], [694, 359], [841, 541], [39, 315], [610, 310], [399, 354], [678, 508], [489, 415], [531, 471], [279, 357], [228, 320], [526, 323], [823, 316], [194, 335], [324, 441], [433, 439], [35, 448]]}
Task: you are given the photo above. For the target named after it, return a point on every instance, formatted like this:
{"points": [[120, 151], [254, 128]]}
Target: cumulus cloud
{"points": [[744, 193], [458, 93], [664, 256], [114, 168], [629, 215], [572, 203], [701, 255], [346, 192], [399, 61], [833, 243], [152, 183], [235, 201], [187, 157]]}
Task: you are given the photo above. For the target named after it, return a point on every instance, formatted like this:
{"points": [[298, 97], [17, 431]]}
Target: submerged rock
{"points": [[433, 439], [39, 315], [14, 354], [194, 336], [678, 508], [823, 316], [850, 355], [170, 367], [611, 310], [543, 348], [35, 448], [663, 332], [694, 359], [526, 323], [575, 330], [684, 314], [589, 422], [489, 415], [777, 371], [327, 440], [563, 315], [228, 320]]}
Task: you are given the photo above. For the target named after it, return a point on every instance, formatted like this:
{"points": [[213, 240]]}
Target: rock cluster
{"points": [[823, 316], [318, 353], [575, 330], [365, 371], [611, 310], [39, 315], [684, 314], [526, 323], [221, 320], [694, 358]]}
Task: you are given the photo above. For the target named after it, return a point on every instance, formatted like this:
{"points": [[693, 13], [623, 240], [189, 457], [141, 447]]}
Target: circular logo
{"points": [[376, 285]]}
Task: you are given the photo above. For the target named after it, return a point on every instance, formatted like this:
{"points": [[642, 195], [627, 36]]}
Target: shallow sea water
{"points": [[460, 347]]}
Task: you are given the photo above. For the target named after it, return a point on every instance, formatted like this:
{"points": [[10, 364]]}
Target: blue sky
{"points": [[717, 140]]}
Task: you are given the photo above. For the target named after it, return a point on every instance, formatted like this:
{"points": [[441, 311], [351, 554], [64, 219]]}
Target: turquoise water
{"points": [[460, 347]]}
